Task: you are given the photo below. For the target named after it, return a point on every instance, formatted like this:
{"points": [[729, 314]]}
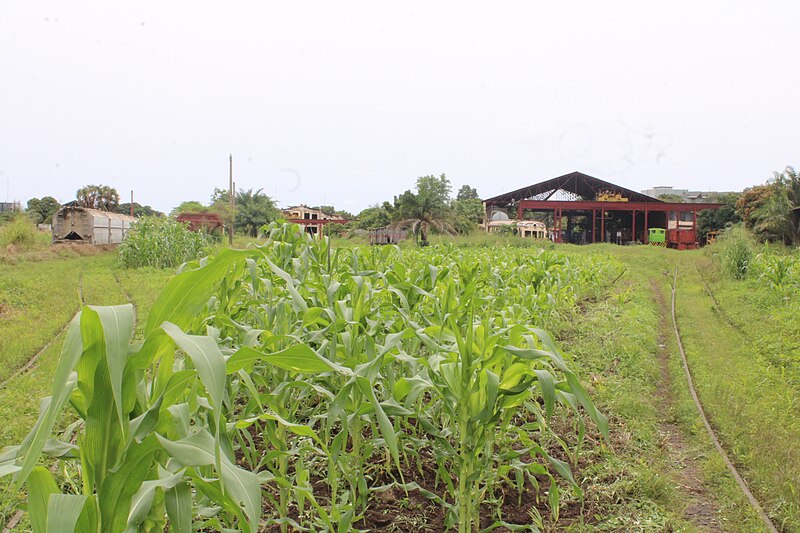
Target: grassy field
{"points": [[37, 300], [657, 472]]}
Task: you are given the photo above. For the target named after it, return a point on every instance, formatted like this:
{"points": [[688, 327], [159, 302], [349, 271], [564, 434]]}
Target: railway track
{"points": [[725, 316], [31, 362], [698, 404]]}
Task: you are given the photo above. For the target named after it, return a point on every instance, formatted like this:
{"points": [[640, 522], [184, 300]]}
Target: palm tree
{"points": [[421, 212], [774, 218], [98, 197]]}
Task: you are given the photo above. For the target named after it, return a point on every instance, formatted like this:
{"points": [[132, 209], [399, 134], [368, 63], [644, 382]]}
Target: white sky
{"points": [[346, 103]]}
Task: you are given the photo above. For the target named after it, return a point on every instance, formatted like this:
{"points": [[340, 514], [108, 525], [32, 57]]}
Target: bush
{"points": [[736, 252], [162, 243], [21, 232]]}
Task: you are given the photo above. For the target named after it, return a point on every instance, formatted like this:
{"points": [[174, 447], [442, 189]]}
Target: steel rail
{"points": [[739, 480]]}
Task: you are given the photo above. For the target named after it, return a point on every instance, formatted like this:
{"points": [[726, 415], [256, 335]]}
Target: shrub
{"points": [[162, 243], [21, 232]]}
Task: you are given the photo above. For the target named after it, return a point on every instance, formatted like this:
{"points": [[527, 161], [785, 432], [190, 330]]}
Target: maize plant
{"points": [[304, 382]]}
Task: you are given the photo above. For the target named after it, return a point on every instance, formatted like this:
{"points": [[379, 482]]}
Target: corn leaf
{"points": [[63, 511]]}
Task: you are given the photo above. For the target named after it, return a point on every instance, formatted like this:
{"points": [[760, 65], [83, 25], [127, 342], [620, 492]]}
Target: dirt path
{"points": [[702, 509]]}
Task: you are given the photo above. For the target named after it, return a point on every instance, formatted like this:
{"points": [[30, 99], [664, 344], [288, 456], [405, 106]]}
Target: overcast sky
{"points": [[347, 103]]}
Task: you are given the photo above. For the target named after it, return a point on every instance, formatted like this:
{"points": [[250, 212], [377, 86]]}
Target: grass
{"points": [[20, 233], [46, 294], [747, 382], [747, 396], [623, 356]]}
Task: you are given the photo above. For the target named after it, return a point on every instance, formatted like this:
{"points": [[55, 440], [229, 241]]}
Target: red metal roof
{"points": [[576, 186]]}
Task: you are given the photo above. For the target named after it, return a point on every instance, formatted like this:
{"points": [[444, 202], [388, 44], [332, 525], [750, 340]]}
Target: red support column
{"points": [[519, 212], [633, 230], [594, 224], [602, 225], [646, 233], [555, 224]]}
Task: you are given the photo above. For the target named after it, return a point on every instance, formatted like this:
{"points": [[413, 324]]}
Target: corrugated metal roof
{"points": [[98, 213]]}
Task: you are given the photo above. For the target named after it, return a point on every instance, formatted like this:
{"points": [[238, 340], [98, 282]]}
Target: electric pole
{"points": [[230, 201]]}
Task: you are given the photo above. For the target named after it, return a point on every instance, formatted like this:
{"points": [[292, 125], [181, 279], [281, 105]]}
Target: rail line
{"points": [[739, 480], [30, 363], [35, 357], [725, 316]]}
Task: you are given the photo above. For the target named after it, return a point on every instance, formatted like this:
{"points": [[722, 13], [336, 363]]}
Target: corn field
{"points": [[162, 242], [288, 387]]}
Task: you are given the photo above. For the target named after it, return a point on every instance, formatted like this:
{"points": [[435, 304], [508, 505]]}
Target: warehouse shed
{"points": [[91, 226], [582, 209]]}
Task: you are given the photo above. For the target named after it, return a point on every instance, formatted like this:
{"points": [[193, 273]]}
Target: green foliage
{"points": [[253, 210], [719, 219], [735, 252], [134, 449], [98, 197], [331, 211], [672, 198], [138, 210], [467, 214], [373, 217], [772, 211], [467, 193], [162, 243], [189, 206], [41, 211], [428, 208], [263, 365], [20, 232]]}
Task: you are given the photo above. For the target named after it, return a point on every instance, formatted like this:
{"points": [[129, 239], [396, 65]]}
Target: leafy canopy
{"points": [[41, 210], [100, 197]]}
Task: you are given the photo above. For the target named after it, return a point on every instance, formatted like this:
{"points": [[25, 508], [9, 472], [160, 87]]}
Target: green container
{"points": [[657, 235]]}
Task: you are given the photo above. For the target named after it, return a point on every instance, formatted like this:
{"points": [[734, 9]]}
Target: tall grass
{"points": [[162, 243], [20, 232], [735, 252]]}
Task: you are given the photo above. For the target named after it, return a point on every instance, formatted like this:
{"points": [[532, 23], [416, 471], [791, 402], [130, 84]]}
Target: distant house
{"points": [[208, 222], [313, 220]]}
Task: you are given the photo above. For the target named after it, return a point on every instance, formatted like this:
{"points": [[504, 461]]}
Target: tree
{"points": [[428, 208], [718, 219], [333, 212], [41, 211], [253, 210], [467, 193], [373, 217], [100, 197], [189, 206], [772, 210], [772, 220], [468, 213], [671, 198], [789, 182], [138, 210], [750, 200]]}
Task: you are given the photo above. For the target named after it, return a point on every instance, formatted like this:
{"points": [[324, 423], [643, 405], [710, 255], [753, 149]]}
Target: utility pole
{"points": [[230, 201]]}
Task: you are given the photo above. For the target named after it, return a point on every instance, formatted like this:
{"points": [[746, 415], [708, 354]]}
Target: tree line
{"points": [[770, 210]]}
